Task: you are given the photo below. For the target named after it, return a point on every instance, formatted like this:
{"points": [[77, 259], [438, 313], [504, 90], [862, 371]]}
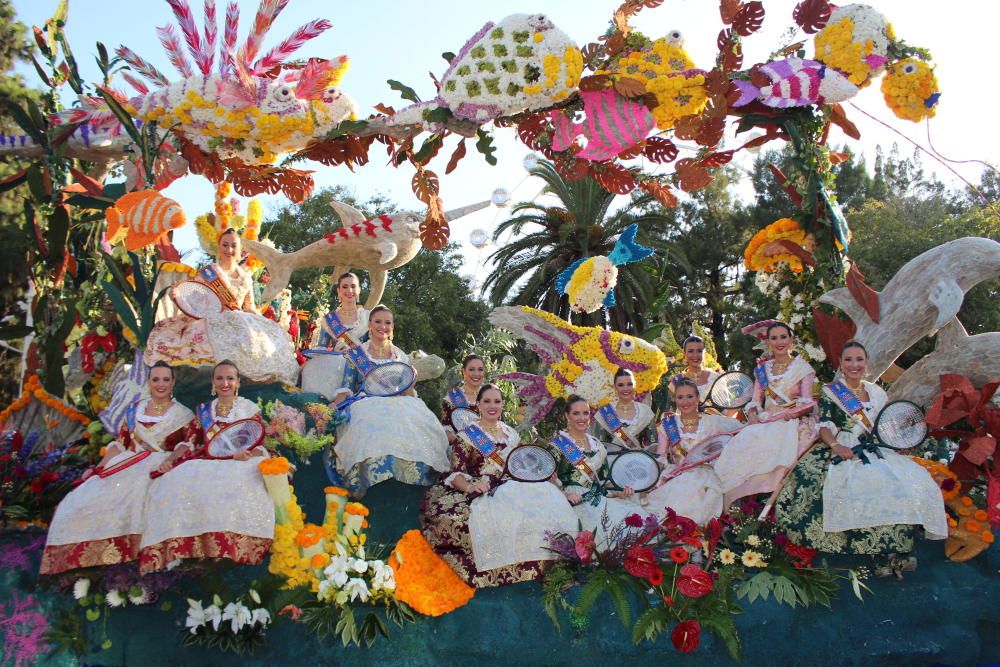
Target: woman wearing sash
{"points": [[583, 471], [491, 530], [625, 422], [848, 495], [759, 456], [696, 492], [464, 394], [239, 333], [324, 373], [390, 437], [694, 354], [101, 521], [204, 508]]}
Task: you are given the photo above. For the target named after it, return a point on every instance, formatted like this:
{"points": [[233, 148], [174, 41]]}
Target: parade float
{"points": [[108, 296]]}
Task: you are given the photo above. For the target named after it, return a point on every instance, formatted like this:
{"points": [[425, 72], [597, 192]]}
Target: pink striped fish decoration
{"points": [[613, 124], [796, 82]]}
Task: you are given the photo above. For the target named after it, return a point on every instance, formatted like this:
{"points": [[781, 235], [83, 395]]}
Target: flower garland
{"points": [[423, 580], [33, 390], [942, 475], [910, 89], [765, 253]]}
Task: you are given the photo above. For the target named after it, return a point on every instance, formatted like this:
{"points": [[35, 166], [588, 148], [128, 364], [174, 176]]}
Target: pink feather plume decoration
{"points": [[172, 45], [142, 67], [293, 43], [211, 33], [188, 28], [229, 38], [267, 12], [316, 76], [139, 86]]}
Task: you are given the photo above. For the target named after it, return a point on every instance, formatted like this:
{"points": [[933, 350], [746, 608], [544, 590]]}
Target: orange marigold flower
{"points": [[980, 515], [973, 526], [987, 537], [425, 581], [319, 561], [310, 535], [966, 500], [274, 466], [766, 250], [356, 508], [335, 491]]}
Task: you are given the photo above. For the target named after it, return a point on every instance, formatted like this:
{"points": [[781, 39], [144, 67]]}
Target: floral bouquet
{"points": [[239, 625], [34, 478], [286, 426]]}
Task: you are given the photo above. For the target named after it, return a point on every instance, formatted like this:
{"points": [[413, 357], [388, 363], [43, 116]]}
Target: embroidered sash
{"points": [[131, 413], [481, 441], [205, 416], [360, 359], [457, 398], [211, 278], [337, 327], [849, 403], [573, 454], [669, 425], [610, 417], [760, 372]]}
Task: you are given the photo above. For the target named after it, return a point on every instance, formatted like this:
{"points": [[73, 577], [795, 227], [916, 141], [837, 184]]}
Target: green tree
{"points": [[581, 225]]}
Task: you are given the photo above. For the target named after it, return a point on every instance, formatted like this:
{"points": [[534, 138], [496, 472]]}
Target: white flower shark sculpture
{"points": [[376, 246], [923, 298]]}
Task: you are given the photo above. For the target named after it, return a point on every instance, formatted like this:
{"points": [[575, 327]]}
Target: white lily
{"points": [[196, 616], [213, 615], [262, 617], [255, 596], [360, 566], [357, 588], [237, 614]]}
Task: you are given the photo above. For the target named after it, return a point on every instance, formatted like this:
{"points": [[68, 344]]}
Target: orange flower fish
{"points": [[141, 218]]}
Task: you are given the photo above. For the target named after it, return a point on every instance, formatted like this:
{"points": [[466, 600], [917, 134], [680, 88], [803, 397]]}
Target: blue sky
{"points": [[402, 39]]}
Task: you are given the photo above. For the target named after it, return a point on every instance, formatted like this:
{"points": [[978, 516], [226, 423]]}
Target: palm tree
{"points": [[525, 269]]}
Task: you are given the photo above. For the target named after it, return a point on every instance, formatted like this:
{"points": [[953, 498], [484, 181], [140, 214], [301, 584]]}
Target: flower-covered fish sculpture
{"points": [[141, 218], [590, 282], [252, 108], [911, 90], [581, 360], [524, 62]]}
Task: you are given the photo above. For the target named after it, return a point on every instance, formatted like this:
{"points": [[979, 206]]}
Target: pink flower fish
{"points": [[613, 124], [796, 82]]}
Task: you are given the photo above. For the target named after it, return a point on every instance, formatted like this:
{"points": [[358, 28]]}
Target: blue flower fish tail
{"points": [[627, 250], [562, 280]]}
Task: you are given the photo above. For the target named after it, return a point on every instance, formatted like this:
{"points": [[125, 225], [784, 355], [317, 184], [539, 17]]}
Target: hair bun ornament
{"points": [[759, 329]]}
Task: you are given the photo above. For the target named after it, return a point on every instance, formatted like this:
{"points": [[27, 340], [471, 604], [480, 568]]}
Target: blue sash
{"points": [[457, 398], [569, 449], [130, 413], [760, 372], [357, 356], [849, 401], [336, 326], [670, 428], [481, 441], [610, 417], [208, 274], [205, 416]]}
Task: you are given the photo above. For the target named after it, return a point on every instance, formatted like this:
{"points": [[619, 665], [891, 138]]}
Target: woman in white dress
{"points": [[203, 508], [848, 495], [583, 473], [635, 416], [697, 492], [463, 395], [758, 457], [491, 530], [263, 350], [324, 373], [693, 348], [392, 437], [101, 521]]}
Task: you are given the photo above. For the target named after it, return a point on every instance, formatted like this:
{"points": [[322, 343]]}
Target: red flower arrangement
{"points": [[686, 636], [640, 562]]}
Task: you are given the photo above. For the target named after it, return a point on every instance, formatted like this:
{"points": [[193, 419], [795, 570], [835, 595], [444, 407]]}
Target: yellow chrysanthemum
{"points": [[764, 254], [910, 89]]}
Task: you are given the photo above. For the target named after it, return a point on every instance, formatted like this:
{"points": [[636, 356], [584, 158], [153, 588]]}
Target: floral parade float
{"points": [[236, 110]]}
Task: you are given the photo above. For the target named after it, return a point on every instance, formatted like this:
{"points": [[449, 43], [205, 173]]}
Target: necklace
{"points": [[348, 314], [627, 414], [694, 374], [583, 441], [690, 423], [859, 387], [158, 410], [494, 430], [779, 367], [223, 411], [380, 351]]}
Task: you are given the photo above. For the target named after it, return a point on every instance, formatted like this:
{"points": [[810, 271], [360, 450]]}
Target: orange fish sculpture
{"points": [[141, 218]]}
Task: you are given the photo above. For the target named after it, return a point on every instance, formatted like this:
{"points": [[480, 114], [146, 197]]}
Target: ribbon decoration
{"points": [[849, 402], [209, 276], [572, 453], [760, 373], [457, 398], [868, 445], [485, 444], [615, 424]]}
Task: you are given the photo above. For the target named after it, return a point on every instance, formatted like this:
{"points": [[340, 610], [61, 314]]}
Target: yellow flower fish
{"points": [[581, 360], [911, 90]]}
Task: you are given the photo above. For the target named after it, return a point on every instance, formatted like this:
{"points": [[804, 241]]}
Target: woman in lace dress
{"points": [[758, 457], [263, 351], [491, 530], [848, 495], [697, 492], [635, 416], [391, 437], [324, 373], [202, 508], [101, 521], [463, 395]]}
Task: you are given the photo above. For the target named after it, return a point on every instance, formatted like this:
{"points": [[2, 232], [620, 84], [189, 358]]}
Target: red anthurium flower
{"points": [[686, 636], [679, 555], [668, 600], [657, 577], [640, 561], [694, 582], [803, 555]]}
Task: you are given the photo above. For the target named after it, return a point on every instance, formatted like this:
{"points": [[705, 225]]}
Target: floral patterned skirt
{"points": [[444, 519], [800, 514]]}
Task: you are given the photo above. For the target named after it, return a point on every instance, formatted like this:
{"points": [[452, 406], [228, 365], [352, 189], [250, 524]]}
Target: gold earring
{"points": [[213, 390]]}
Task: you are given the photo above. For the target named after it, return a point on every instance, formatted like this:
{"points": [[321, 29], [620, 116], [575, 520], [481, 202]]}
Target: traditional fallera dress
{"points": [[869, 504], [324, 373], [663, 396], [756, 459], [697, 492], [585, 471], [209, 508], [258, 346], [101, 522], [390, 437], [454, 399], [637, 425], [492, 540]]}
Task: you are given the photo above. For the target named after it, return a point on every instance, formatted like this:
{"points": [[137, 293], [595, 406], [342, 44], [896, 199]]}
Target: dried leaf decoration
{"points": [[862, 293], [749, 19], [728, 9], [425, 185], [717, 159], [660, 193], [630, 88], [531, 129], [730, 51], [691, 175], [455, 157], [839, 118], [660, 150], [295, 184], [589, 52], [595, 83], [434, 231], [811, 15], [782, 180], [572, 169], [614, 178], [833, 332]]}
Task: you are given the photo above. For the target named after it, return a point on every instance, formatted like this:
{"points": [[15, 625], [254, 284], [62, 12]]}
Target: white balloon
{"points": [[530, 161], [479, 239], [500, 197]]}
